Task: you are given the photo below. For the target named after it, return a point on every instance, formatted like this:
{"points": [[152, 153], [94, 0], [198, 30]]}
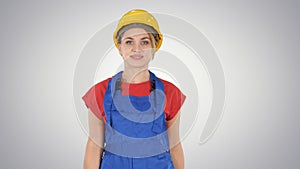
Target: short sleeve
{"points": [[94, 97], [174, 100]]}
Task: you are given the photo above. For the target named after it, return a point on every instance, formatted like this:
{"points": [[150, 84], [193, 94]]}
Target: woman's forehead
{"points": [[135, 33]]}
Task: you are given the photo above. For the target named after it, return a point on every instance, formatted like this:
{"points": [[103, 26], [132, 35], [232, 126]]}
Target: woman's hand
{"points": [[95, 143], [175, 144]]}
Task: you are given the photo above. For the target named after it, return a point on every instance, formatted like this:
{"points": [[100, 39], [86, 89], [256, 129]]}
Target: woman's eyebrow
{"points": [[133, 38], [128, 38]]}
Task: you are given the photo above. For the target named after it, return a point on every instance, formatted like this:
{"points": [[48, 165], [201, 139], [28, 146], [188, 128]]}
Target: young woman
{"points": [[134, 116]]}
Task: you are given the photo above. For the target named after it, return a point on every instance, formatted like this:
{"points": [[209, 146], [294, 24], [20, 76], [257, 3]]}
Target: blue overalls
{"points": [[135, 131]]}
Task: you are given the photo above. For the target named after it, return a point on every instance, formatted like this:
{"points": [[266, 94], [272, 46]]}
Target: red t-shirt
{"points": [[95, 96]]}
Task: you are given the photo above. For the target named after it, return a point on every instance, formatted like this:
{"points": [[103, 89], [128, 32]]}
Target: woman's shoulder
{"points": [[93, 98], [168, 86], [174, 99], [102, 84], [98, 89]]}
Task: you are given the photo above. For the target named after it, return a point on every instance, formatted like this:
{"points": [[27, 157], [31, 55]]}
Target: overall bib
{"points": [[135, 131]]}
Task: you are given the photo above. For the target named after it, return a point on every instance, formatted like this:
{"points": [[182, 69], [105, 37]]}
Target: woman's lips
{"points": [[136, 57]]}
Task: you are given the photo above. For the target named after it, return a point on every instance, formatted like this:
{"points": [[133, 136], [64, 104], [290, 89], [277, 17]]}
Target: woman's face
{"points": [[136, 48]]}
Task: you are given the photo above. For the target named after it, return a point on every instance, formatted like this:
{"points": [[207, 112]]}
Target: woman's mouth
{"points": [[136, 57]]}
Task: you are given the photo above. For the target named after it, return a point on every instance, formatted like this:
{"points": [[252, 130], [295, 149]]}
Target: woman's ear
{"points": [[119, 49]]}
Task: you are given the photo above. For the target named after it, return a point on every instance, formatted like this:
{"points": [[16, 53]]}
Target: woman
{"points": [[134, 116]]}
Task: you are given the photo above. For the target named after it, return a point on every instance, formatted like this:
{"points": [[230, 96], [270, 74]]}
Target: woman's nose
{"points": [[136, 47]]}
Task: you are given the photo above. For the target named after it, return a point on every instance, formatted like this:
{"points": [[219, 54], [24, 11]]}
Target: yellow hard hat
{"points": [[142, 17]]}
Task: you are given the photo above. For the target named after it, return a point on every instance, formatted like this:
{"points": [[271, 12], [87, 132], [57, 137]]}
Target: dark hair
{"points": [[148, 28]]}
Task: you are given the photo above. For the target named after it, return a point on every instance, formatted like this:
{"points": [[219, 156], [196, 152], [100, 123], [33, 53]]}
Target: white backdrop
{"points": [[257, 43]]}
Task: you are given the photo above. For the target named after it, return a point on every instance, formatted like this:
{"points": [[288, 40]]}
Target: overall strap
{"points": [[159, 101], [108, 97]]}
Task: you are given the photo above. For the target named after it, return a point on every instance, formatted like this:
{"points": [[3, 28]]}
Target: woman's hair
{"points": [[152, 32]]}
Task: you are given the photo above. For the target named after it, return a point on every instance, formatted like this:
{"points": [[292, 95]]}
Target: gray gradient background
{"points": [[257, 43]]}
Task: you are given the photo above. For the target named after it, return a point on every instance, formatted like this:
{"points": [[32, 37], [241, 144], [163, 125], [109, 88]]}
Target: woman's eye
{"points": [[129, 42], [144, 42]]}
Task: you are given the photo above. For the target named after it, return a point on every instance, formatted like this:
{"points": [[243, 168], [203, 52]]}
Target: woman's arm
{"points": [[94, 146], [175, 144]]}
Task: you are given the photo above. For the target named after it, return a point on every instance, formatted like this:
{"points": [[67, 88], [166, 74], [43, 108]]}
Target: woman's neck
{"points": [[135, 75]]}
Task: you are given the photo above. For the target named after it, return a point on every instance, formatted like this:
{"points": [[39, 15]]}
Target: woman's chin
{"points": [[137, 64]]}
